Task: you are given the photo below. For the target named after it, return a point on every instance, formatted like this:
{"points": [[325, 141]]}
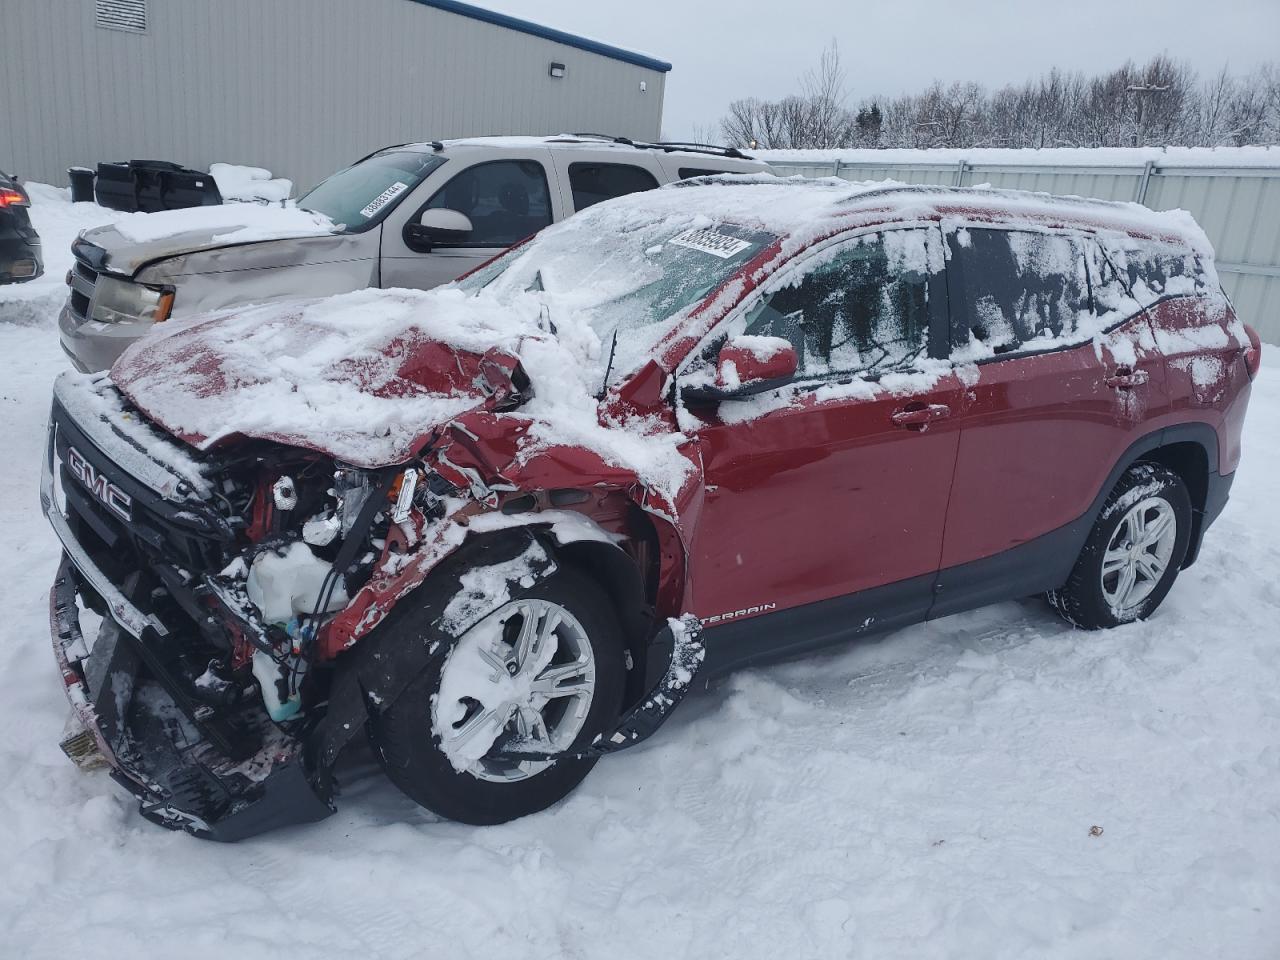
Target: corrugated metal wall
{"points": [[1239, 208], [302, 87]]}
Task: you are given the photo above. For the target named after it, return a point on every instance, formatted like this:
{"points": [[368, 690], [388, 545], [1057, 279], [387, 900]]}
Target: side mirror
{"points": [[435, 226], [747, 366]]}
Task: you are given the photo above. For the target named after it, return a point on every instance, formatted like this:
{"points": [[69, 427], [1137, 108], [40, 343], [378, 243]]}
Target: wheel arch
{"points": [[621, 578], [1191, 451], [378, 669]]}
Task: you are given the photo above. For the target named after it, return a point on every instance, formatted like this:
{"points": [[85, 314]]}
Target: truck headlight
{"points": [[122, 301]]}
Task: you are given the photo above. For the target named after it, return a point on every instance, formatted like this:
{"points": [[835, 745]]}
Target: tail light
{"points": [[1253, 356], [13, 198]]}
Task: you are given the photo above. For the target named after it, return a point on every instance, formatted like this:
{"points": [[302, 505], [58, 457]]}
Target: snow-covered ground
{"points": [[989, 785]]}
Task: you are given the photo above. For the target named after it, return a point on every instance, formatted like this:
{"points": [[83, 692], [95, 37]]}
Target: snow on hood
{"points": [[138, 238], [362, 376], [366, 377]]}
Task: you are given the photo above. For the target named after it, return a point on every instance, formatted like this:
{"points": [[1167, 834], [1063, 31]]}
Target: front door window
{"points": [[507, 200]]}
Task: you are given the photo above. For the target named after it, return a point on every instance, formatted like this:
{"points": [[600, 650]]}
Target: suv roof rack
{"points": [[685, 147], [670, 146]]}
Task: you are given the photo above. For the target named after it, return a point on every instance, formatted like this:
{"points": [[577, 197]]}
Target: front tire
{"points": [[1133, 553], [547, 668]]}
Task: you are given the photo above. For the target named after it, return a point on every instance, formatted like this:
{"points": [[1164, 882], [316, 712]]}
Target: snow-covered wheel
{"points": [[544, 672], [1133, 553]]}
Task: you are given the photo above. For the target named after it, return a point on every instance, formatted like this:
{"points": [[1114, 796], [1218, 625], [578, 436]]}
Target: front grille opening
{"points": [[80, 304]]}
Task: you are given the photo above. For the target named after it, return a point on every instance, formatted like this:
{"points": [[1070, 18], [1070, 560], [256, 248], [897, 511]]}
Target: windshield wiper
{"points": [[613, 347]]}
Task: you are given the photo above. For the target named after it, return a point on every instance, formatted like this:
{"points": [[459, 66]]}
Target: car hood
{"points": [[141, 238], [360, 377]]}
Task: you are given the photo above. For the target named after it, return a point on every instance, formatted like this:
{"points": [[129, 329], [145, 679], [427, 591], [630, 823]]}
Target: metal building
{"points": [[1238, 206], [302, 87]]}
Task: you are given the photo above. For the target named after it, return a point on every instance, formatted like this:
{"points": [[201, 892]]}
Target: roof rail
{"points": [[684, 147], [669, 146], [626, 141]]}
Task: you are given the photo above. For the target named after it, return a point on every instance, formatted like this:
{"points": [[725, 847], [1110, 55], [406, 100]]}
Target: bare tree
{"points": [[1161, 102]]}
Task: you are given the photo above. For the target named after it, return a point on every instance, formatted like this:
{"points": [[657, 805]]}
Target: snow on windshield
{"points": [[364, 193], [634, 282]]}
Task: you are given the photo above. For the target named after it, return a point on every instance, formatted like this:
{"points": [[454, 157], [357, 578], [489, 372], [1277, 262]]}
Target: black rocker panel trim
{"points": [[788, 633]]}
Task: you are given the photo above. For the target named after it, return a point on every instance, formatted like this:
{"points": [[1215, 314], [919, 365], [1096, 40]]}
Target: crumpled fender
{"points": [[480, 453]]}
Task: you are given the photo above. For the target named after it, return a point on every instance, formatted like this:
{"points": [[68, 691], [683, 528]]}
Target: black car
{"points": [[19, 243]]}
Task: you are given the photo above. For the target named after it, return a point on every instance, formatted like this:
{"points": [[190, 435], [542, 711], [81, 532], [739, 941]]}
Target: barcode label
{"points": [[708, 241], [382, 199]]}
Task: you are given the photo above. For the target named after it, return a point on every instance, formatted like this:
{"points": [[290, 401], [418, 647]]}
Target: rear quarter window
{"points": [[1011, 290], [594, 183], [1153, 269]]}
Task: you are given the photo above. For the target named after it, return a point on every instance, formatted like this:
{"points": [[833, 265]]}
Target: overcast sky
{"points": [[723, 50]]}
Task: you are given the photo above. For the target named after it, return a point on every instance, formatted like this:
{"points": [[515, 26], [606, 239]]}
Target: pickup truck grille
{"points": [[83, 280]]}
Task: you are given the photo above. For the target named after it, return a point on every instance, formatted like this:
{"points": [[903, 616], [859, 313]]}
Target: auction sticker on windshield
{"points": [[382, 199], [708, 241]]}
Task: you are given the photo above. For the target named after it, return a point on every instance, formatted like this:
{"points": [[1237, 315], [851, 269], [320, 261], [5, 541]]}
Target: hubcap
{"points": [[1139, 553], [522, 678]]}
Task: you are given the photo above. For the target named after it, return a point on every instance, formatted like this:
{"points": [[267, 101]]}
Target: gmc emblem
{"points": [[116, 500]]}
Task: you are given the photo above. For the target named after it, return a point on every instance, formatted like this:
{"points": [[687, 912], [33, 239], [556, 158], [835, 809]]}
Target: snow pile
{"points": [[252, 184], [229, 223], [929, 794], [1050, 156]]}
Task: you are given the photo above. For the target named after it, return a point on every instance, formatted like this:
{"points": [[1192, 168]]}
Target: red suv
{"points": [[503, 524]]}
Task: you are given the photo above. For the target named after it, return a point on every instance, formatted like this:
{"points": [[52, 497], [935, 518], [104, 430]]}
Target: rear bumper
{"points": [[21, 259], [174, 759]]}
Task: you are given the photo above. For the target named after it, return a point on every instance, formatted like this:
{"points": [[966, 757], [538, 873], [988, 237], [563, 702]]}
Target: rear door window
{"points": [[862, 311], [507, 200], [1014, 291], [594, 183]]}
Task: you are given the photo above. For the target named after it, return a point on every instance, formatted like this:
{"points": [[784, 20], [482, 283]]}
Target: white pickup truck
{"points": [[415, 215]]}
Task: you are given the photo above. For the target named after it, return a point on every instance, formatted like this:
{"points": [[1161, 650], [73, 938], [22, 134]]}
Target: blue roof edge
{"points": [[547, 33]]}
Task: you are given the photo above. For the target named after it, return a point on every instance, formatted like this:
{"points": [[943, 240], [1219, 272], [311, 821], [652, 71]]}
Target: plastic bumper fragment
{"points": [[180, 779]]}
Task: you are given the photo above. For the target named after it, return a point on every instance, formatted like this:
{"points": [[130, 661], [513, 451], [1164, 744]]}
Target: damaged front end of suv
{"points": [[242, 590]]}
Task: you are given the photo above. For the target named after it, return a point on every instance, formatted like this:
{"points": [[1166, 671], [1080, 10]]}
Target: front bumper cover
{"points": [[158, 748], [181, 780]]}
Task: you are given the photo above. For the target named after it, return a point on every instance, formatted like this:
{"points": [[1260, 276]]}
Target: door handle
{"points": [[1125, 378], [917, 416]]}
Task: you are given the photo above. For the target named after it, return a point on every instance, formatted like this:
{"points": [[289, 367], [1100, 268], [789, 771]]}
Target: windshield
{"points": [[631, 281], [361, 195]]}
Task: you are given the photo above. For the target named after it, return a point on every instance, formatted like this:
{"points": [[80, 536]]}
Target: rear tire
{"points": [[417, 735], [1133, 553]]}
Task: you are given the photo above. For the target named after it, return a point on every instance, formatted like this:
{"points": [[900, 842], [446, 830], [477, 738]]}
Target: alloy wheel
{"points": [[1139, 553], [522, 678]]}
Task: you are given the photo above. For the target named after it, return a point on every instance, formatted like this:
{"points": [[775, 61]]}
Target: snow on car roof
{"points": [[800, 207]]}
